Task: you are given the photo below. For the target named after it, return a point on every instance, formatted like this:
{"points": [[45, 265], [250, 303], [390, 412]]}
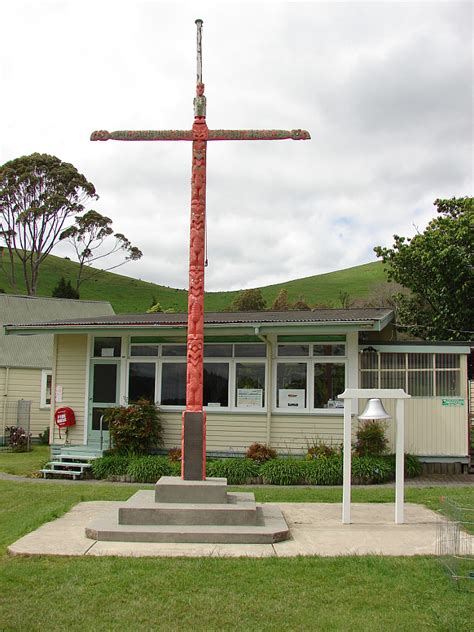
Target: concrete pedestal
{"points": [[192, 511]]}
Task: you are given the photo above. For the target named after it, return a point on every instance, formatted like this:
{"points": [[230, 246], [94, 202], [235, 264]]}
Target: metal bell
{"points": [[374, 410]]}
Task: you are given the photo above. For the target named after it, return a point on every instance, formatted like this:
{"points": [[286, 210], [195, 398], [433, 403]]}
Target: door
{"points": [[103, 394]]}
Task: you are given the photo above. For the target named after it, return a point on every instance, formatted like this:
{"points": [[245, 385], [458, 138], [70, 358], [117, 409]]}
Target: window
{"points": [[107, 347], [329, 349], [141, 381], [419, 374], [293, 350], [216, 384], [251, 350], [144, 350], [249, 385], [46, 381], [291, 385], [174, 351], [217, 351], [173, 384], [329, 382]]}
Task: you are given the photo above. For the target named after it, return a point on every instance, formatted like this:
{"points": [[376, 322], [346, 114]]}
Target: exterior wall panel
{"points": [[23, 384]]}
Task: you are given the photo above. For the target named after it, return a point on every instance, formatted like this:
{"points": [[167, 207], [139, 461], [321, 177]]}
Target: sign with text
{"points": [[249, 398], [452, 402], [291, 398]]}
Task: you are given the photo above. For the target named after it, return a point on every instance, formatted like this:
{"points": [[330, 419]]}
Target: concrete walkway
{"points": [[315, 528]]}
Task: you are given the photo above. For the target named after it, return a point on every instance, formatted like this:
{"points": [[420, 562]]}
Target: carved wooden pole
{"points": [[193, 436]]}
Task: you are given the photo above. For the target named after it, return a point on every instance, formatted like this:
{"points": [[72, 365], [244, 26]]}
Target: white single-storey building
{"points": [[26, 362], [269, 377]]}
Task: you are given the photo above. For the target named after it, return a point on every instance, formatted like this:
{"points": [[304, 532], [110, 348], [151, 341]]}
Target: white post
{"points": [[400, 457], [346, 485]]}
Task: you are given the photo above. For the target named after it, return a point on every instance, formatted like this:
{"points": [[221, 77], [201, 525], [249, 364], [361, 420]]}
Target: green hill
{"points": [[128, 295]]}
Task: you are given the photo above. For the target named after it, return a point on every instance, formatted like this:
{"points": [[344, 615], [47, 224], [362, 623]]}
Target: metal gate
{"points": [[15, 434]]}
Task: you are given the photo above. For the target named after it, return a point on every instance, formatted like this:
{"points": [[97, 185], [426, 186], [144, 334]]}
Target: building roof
{"points": [[36, 351], [369, 318]]}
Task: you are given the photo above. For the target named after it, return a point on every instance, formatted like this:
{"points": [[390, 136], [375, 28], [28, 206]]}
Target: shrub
{"points": [[175, 468], [324, 470], [135, 428], [371, 439], [174, 454], [44, 437], [237, 471], [283, 471], [17, 438], [260, 453], [371, 469], [64, 290], [110, 466], [318, 449], [412, 467], [148, 469]]}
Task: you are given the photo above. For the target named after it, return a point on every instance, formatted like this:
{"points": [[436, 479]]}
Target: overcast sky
{"points": [[383, 88]]}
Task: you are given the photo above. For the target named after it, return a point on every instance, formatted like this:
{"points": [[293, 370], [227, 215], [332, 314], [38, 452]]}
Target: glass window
{"points": [[291, 385], [216, 384], [96, 423], [174, 350], [217, 351], [144, 350], [369, 379], [447, 361], [369, 360], [46, 381], [256, 350], [141, 381], [448, 383], [173, 384], [420, 360], [329, 349], [329, 382], [293, 350], [392, 379], [107, 347], [104, 387], [420, 383], [249, 385], [392, 361]]}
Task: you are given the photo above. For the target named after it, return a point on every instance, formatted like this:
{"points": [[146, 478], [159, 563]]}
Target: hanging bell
{"points": [[374, 410]]}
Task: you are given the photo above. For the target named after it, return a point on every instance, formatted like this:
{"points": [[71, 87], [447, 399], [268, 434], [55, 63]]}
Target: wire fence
{"points": [[15, 434], [454, 543]]}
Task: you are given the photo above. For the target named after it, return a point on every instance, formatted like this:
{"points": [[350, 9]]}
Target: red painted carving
{"points": [[199, 135]]}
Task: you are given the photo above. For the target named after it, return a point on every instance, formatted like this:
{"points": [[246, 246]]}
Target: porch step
{"points": [[67, 464], [74, 475]]}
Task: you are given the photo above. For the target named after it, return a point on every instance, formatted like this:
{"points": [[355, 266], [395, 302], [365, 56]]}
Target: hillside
{"points": [[129, 295]]}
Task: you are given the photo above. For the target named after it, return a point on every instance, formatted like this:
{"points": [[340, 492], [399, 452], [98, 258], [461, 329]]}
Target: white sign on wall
{"points": [[58, 394], [291, 398], [249, 398]]}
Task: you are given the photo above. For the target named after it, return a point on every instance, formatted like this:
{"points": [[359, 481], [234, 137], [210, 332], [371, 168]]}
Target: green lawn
{"points": [[24, 463], [369, 593], [129, 295]]}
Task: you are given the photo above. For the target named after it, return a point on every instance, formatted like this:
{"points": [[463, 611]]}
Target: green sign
{"points": [[452, 402]]}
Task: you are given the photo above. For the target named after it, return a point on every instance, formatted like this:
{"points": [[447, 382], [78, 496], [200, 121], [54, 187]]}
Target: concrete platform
{"points": [[315, 529]]}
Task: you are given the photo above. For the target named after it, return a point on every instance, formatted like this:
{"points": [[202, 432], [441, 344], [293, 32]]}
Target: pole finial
{"points": [[199, 52]]}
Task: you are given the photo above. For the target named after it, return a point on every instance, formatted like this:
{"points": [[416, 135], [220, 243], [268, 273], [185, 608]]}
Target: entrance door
{"points": [[103, 394]]}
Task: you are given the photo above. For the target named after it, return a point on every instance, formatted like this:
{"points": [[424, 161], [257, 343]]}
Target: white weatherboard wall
{"points": [[24, 384], [71, 373]]}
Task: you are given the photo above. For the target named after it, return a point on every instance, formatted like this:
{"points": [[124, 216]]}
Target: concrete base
{"points": [[316, 529], [192, 511]]}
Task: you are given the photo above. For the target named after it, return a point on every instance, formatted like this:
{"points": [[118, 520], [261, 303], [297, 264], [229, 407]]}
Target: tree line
{"points": [[43, 203]]}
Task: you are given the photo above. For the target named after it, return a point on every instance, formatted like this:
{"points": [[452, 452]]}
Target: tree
{"points": [[437, 266], [38, 195], [281, 304], [301, 303], [249, 301], [87, 237], [64, 290]]}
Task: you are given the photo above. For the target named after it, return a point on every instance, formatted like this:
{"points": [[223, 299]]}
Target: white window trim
{"points": [[44, 383]]}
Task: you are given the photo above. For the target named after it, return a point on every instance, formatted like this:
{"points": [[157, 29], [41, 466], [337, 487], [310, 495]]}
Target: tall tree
{"points": [[437, 266], [249, 301], [87, 237], [281, 303], [38, 195]]}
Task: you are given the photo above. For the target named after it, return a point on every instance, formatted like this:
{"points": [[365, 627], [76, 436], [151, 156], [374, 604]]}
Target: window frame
{"points": [[45, 373]]}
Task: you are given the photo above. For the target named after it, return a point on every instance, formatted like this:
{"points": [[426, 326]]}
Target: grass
{"points": [[129, 295], [24, 463], [313, 593]]}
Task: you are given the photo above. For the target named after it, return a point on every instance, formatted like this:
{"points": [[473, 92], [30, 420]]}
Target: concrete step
{"points": [[172, 489], [142, 509], [273, 529], [70, 464]]}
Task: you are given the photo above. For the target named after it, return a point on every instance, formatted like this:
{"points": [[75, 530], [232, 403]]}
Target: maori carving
{"points": [[258, 134], [149, 134], [199, 102]]}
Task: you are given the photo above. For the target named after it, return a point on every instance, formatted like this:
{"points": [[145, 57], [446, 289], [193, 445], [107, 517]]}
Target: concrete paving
{"points": [[315, 528]]}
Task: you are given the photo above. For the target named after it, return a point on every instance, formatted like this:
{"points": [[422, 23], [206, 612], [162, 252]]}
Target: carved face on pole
{"points": [[200, 89]]}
